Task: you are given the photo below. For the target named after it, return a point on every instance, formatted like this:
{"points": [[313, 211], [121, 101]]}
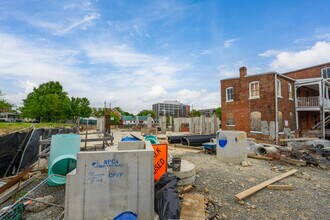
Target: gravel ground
{"points": [[220, 182]]}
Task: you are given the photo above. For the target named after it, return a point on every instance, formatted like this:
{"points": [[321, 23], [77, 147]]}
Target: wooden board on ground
{"points": [[17, 187], [260, 186], [280, 187], [187, 147], [294, 161], [192, 207], [259, 157], [299, 139]]}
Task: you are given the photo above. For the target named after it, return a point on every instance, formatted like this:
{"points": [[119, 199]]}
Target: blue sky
{"points": [[136, 53]]}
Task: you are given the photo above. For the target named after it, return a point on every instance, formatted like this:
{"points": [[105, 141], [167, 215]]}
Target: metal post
{"points": [[276, 111]]}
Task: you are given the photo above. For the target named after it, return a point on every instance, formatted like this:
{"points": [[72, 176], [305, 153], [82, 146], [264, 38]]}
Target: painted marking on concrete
{"points": [[95, 178], [222, 140], [107, 163], [115, 174]]}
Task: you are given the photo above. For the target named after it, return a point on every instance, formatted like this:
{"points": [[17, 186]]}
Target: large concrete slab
{"points": [[110, 182]]}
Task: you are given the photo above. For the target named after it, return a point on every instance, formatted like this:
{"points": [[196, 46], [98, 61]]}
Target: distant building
{"points": [[131, 120], [171, 108], [207, 112], [269, 104], [8, 116]]}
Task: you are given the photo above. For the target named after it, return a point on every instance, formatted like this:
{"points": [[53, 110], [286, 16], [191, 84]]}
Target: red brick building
{"points": [[266, 105]]}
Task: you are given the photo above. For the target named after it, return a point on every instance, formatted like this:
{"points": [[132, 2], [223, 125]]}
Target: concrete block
{"points": [[107, 183], [231, 146], [264, 128]]}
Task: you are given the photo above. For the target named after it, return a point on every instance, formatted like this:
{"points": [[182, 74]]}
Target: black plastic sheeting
{"points": [[20, 150], [196, 140], [9, 148], [167, 201]]}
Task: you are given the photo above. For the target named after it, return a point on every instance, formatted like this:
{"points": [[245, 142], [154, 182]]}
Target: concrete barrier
{"points": [[107, 183]]}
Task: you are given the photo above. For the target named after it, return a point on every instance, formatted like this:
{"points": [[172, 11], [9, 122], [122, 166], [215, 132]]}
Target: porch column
{"points": [[296, 105]]}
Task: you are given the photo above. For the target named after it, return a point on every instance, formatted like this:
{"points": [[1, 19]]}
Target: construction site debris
{"points": [[14, 180], [293, 161], [262, 185], [39, 204]]}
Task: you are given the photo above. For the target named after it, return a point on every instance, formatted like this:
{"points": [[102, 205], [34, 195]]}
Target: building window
{"points": [[292, 122], [279, 93], [280, 121], [230, 120], [255, 121], [229, 94], [254, 90], [326, 73], [290, 91]]}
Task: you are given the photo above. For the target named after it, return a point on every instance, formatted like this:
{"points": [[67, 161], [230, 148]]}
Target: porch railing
{"points": [[308, 101]]}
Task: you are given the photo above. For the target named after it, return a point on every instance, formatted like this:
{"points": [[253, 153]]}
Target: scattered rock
{"points": [[253, 206], [206, 190], [241, 202], [244, 164], [224, 216], [249, 163]]}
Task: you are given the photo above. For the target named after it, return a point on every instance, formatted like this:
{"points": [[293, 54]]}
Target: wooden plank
{"points": [[14, 180], [192, 207], [299, 139], [9, 192], [280, 187], [293, 161], [188, 147], [260, 186], [259, 157]]}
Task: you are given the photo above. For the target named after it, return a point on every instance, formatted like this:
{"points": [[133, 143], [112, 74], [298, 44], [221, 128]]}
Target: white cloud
{"points": [[117, 74], [207, 52], [269, 53], [83, 24], [229, 43], [287, 60]]}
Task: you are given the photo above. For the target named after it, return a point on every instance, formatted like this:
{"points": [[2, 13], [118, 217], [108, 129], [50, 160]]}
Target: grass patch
{"points": [[8, 127]]}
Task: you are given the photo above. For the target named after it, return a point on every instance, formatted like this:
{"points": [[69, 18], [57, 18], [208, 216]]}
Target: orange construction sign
{"points": [[160, 160]]}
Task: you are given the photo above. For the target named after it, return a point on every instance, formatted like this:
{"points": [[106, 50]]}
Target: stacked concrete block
{"points": [[108, 183]]}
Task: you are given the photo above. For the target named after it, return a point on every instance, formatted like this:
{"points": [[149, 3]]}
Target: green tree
{"points": [[218, 112], [195, 113], [114, 118], [47, 102], [4, 105], [98, 112], [122, 112], [147, 112], [79, 107]]}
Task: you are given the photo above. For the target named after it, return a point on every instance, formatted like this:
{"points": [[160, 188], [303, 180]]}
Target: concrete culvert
{"points": [[266, 149]]}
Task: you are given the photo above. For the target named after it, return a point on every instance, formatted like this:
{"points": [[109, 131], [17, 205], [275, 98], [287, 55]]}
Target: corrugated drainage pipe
{"points": [[63, 157]]}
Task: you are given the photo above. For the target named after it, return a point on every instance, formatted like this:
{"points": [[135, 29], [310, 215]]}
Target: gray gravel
{"points": [[309, 200]]}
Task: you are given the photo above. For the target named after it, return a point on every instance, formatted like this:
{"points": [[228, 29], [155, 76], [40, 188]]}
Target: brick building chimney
{"points": [[242, 72]]}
